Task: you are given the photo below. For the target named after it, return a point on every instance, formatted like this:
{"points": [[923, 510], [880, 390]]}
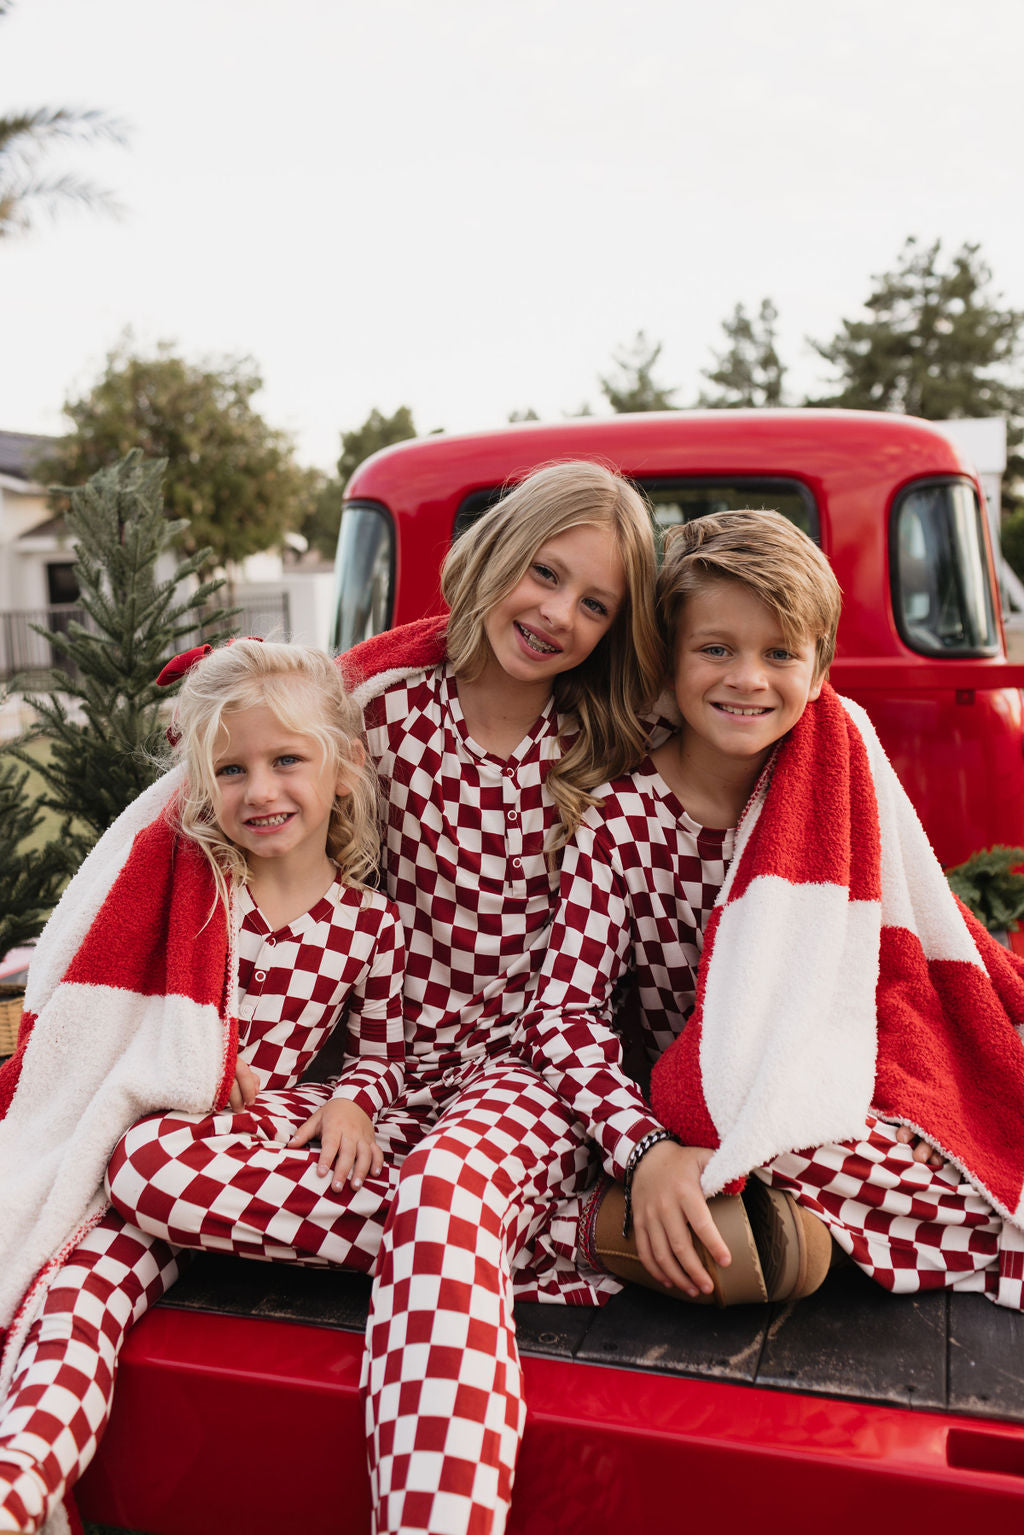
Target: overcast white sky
{"points": [[467, 206]]}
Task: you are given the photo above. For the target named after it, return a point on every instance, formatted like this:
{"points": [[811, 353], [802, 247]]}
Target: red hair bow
{"points": [[177, 666]]}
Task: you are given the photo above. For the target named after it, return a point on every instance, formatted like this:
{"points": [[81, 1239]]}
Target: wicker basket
{"points": [[11, 999]]}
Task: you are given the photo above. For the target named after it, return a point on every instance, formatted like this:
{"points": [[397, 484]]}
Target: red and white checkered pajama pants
{"points": [[467, 1187], [59, 1400], [909, 1226]]}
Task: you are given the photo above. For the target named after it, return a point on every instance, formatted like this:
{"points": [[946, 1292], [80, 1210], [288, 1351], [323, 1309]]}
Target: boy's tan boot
{"points": [[780, 1251]]}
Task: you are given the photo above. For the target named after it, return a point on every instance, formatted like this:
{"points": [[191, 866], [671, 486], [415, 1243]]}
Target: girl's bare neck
{"points": [[283, 895], [499, 716]]}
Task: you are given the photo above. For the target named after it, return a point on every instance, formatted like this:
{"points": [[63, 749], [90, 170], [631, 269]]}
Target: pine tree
{"points": [[103, 715], [749, 371], [634, 389], [32, 876]]}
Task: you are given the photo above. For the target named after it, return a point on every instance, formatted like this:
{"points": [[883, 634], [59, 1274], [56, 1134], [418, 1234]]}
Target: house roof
{"points": [[20, 451]]}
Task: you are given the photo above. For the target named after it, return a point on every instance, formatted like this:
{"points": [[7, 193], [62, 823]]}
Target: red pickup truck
{"points": [[892, 503], [237, 1410]]}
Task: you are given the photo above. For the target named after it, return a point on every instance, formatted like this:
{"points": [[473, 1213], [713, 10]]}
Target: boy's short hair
{"points": [[767, 554]]}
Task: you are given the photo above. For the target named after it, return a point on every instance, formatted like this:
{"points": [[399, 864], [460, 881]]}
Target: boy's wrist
{"points": [[636, 1156]]}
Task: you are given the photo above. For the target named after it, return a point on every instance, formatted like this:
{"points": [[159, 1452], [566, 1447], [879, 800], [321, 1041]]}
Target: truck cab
{"points": [[892, 502]]}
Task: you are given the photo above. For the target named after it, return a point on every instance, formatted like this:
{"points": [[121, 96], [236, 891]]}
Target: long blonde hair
{"points": [[607, 692], [303, 689]]}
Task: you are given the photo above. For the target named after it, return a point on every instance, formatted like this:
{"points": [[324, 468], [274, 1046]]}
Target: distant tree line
{"points": [[934, 340]]}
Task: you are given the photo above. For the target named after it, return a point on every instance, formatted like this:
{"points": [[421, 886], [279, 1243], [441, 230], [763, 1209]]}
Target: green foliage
{"points": [[529, 414], [377, 431], [26, 139], [937, 343], [633, 388], [990, 887], [1011, 539], [32, 877], [320, 526], [232, 481], [748, 372], [103, 716]]}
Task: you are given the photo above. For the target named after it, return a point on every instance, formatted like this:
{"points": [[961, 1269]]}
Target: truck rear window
{"points": [[676, 501], [942, 596]]}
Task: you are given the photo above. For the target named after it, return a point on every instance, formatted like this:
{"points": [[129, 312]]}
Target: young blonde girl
{"points": [[250, 886], [489, 728]]}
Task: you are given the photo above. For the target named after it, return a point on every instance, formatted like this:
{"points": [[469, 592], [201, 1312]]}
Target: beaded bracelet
{"points": [[636, 1156]]}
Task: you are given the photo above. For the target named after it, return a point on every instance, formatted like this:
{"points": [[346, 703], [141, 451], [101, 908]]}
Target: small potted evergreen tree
{"points": [[102, 717], [32, 879]]}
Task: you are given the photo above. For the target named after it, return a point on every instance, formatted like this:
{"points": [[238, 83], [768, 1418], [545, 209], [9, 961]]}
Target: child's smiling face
{"points": [[274, 789], [562, 607], [738, 683]]}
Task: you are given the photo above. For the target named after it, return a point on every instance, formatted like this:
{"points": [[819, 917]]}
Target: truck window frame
{"points": [[347, 583], [918, 637]]}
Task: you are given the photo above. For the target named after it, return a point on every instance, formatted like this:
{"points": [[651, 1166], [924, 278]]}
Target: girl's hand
{"points": [[244, 1088], [347, 1142], [923, 1151], [667, 1204]]}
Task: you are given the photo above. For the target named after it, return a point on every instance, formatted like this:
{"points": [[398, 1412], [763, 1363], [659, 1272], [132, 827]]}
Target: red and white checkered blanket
{"points": [[840, 972]]}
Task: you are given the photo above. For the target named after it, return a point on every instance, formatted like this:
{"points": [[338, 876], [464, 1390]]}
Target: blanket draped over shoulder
{"points": [[840, 973], [131, 1008]]}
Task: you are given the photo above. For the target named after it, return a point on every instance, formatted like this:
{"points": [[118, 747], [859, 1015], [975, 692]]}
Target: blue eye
{"points": [[544, 571], [288, 760], [595, 606], [715, 651], [229, 770]]}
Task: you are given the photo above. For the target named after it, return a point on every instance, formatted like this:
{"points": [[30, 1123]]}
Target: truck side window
{"points": [[941, 594], [365, 574]]}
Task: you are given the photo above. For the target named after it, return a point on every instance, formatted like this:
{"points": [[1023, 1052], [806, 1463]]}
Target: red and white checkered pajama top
{"points": [[343, 957]]}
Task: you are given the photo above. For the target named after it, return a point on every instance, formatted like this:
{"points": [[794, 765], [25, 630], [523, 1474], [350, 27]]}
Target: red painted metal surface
{"points": [[230, 1426], [953, 727]]}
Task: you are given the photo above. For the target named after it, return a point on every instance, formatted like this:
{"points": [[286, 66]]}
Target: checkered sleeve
{"points": [[568, 1033], [373, 1073]]}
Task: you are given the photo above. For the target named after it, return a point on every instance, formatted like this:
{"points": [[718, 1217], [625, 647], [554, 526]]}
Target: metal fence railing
{"points": [[29, 655]]}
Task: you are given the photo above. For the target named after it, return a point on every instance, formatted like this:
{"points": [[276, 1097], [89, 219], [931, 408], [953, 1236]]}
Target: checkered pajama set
{"points": [[478, 1147], [638, 886], [346, 951]]}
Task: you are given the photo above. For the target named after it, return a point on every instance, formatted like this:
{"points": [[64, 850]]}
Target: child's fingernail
{"points": [[357, 1183]]}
